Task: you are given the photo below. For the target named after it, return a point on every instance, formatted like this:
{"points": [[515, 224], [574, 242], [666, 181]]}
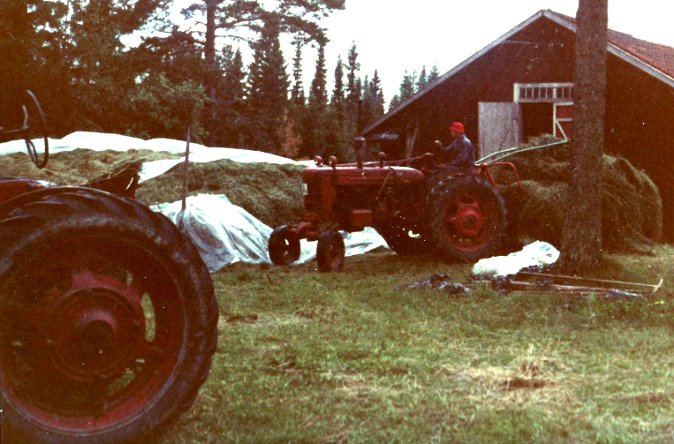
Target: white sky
{"points": [[397, 35], [393, 36]]}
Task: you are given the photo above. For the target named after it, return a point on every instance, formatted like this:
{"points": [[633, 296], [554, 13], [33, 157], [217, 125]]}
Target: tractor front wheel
{"points": [[284, 246], [468, 217], [108, 320], [330, 251], [403, 240]]}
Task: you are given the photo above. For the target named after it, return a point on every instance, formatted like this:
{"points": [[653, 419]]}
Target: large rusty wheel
{"points": [[283, 246], [108, 320], [330, 251], [468, 217]]}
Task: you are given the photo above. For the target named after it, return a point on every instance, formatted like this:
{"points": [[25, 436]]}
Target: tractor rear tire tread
{"points": [[111, 216], [444, 190]]}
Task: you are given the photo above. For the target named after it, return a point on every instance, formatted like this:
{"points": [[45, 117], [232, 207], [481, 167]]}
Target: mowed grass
{"points": [[358, 357]]}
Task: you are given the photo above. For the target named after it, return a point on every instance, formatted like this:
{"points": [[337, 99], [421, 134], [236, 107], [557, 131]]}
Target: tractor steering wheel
{"points": [[34, 128]]}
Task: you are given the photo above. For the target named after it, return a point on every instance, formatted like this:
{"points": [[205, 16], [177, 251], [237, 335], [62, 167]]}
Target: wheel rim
{"points": [[469, 221], [88, 342]]}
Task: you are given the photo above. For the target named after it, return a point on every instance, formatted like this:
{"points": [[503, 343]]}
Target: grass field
{"points": [[358, 357]]}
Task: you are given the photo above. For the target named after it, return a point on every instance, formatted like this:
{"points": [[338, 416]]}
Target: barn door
{"points": [[500, 126]]}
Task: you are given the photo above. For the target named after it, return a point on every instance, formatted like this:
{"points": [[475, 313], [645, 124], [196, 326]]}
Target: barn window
{"points": [[547, 108]]}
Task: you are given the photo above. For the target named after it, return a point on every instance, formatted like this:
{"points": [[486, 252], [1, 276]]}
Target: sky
{"points": [[395, 36]]}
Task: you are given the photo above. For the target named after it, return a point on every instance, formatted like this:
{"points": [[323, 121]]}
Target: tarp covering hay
{"points": [[271, 193], [631, 203]]}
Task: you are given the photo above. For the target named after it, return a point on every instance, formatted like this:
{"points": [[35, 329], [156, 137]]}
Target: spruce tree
{"points": [[267, 92], [230, 106], [422, 81], [407, 89], [336, 135], [297, 106], [433, 75], [297, 95], [314, 135], [353, 90]]}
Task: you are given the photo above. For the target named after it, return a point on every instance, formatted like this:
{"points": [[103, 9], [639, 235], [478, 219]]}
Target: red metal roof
{"points": [[660, 57]]}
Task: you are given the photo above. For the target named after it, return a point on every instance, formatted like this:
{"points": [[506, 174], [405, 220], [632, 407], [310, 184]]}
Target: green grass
{"points": [[357, 357]]}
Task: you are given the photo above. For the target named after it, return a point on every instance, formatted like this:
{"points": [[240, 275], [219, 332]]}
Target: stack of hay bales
{"points": [[631, 202]]}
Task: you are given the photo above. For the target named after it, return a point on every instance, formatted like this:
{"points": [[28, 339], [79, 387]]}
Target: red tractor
{"points": [[415, 204], [108, 319]]}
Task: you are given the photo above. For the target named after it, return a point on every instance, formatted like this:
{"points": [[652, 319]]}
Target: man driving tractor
{"points": [[461, 152]]}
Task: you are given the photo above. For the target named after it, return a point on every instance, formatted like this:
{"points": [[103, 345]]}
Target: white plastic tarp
{"points": [[225, 233], [536, 254]]}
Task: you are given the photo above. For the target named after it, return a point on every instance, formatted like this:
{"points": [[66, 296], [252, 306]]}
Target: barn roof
{"points": [[655, 59]]}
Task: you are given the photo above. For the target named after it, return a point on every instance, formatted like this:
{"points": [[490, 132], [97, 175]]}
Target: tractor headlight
{"points": [[305, 189]]}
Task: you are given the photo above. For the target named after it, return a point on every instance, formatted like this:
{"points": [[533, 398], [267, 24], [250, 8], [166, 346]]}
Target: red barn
{"points": [[521, 85]]}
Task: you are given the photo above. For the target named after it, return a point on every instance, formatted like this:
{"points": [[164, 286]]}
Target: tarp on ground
{"points": [[225, 233]]}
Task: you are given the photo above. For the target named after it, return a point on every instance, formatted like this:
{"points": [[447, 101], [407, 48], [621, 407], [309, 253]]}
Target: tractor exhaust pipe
{"points": [[358, 148]]}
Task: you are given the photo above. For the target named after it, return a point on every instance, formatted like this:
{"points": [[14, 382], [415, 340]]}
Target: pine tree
{"points": [[237, 18], [267, 92], [581, 233]]}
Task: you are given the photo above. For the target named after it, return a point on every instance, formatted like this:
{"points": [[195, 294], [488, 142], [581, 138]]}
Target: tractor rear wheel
{"points": [[330, 251], [108, 320], [468, 217], [284, 246]]}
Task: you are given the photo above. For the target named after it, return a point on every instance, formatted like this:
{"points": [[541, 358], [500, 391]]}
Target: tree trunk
{"points": [[581, 237]]}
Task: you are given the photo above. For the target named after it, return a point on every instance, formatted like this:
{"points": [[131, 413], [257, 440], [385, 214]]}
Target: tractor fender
{"points": [[30, 190]]}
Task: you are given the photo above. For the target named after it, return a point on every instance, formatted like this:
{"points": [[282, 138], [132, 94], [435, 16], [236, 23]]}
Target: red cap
{"points": [[457, 127]]}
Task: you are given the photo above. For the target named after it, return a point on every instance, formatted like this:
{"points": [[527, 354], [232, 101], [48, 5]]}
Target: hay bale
{"points": [[631, 202]]}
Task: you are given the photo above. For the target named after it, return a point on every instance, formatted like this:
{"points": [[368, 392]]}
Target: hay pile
{"points": [[76, 167], [270, 192], [631, 202]]}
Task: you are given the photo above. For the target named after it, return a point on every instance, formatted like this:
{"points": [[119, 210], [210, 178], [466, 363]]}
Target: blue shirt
{"points": [[460, 153]]}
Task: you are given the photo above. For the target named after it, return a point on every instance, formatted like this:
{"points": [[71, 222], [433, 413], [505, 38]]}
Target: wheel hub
{"points": [[469, 220], [97, 326]]}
